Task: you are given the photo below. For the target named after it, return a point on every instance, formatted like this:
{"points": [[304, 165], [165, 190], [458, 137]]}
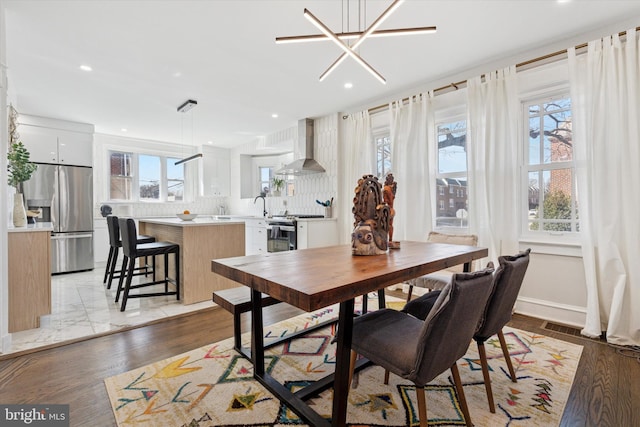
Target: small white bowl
{"points": [[187, 217]]}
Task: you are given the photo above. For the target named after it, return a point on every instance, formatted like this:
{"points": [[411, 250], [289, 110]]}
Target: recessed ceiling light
{"points": [[86, 68], [177, 74], [209, 142], [123, 129], [348, 85], [274, 115]]}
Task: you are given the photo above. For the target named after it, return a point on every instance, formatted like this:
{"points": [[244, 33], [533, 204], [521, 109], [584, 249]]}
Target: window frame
{"points": [[382, 133], [452, 116], [135, 177], [551, 236]]}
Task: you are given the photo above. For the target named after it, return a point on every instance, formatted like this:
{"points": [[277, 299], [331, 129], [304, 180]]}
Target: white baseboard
{"points": [[6, 343], [548, 310], [566, 314]]}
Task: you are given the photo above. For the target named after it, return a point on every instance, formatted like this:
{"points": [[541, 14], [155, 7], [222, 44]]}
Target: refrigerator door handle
{"points": [[70, 236]]}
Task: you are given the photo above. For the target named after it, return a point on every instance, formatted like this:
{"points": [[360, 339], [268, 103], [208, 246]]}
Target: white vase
{"points": [[19, 213]]}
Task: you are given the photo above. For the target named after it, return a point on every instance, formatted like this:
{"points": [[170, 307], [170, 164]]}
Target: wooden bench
{"points": [[237, 301]]}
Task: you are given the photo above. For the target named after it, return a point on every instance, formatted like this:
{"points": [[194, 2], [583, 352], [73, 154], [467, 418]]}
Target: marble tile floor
{"points": [[81, 306]]}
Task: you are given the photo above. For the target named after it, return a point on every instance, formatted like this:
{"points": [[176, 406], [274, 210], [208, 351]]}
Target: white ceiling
{"points": [[148, 57]]}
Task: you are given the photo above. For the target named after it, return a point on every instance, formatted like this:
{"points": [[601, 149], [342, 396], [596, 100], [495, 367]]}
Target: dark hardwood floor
{"points": [[606, 391]]}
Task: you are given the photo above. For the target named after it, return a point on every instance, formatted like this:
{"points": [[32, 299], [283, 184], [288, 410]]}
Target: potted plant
{"points": [[278, 185], [19, 170]]}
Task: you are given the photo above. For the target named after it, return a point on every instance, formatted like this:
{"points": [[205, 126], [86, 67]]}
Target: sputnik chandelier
{"points": [[360, 36]]}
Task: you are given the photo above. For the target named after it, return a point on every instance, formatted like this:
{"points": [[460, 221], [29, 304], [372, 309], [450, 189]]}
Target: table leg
{"points": [[467, 267], [381, 299], [343, 352], [257, 337]]}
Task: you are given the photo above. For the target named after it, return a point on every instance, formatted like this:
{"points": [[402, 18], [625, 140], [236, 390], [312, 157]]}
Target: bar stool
{"points": [[114, 246], [132, 250]]}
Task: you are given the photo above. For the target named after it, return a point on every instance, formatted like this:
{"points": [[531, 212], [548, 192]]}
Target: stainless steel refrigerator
{"points": [[64, 196]]}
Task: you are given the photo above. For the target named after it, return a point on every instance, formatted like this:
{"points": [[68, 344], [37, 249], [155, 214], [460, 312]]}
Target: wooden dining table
{"points": [[311, 279]]}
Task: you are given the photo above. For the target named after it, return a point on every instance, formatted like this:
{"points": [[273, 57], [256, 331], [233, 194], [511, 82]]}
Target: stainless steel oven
{"points": [[281, 232], [281, 235]]}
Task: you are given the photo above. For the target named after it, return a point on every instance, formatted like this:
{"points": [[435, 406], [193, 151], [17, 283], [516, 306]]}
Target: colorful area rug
{"points": [[213, 385]]}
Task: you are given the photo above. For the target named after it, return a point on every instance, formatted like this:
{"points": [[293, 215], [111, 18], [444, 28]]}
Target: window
{"points": [[175, 181], [452, 173], [383, 154], [121, 179], [550, 178], [265, 174], [156, 178], [149, 177]]}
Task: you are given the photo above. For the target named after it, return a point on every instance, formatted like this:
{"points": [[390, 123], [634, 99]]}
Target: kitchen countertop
{"points": [[199, 221], [38, 226]]}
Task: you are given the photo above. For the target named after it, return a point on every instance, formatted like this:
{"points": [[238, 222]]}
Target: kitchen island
{"points": [[200, 240], [29, 260]]}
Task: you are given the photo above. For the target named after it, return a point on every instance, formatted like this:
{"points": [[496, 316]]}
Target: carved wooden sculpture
{"points": [[389, 195], [371, 233]]}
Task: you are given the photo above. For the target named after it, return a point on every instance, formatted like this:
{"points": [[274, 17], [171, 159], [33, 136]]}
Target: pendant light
{"points": [[360, 36], [183, 108]]}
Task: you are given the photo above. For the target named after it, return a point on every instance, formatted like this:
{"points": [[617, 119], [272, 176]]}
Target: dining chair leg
{"points": [[127, 286], [460, 391], [409, 293], [485, 374], [123, 270], [112, 270], [108, 267], [352, 365], [177, 255], [386, 376], [166, 273], [507, 356], [422, 406]]}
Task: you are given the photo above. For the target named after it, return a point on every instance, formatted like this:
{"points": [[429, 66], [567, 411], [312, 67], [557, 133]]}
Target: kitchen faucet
{"points": [[264, 202]]}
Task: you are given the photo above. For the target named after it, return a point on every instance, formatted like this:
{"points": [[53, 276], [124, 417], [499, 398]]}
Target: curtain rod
{"points": [[521, 65]]}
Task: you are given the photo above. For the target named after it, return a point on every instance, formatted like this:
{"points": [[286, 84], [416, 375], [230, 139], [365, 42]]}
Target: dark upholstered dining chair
{"points": [[507, 283], [115, 243], [426, 348], [132, 250], [506, 286]]}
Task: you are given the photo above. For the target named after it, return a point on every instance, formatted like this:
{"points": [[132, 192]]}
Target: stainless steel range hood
{"points": [[305, 164]]}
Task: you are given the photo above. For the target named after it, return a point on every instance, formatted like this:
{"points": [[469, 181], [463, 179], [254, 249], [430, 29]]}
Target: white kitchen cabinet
{"points": [[316, 233], [255, 235], [50, 145], [100, 240], [215, 172]]}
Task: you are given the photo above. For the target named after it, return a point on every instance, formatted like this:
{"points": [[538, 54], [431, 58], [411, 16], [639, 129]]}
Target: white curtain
{"points": [[606, 100], [358, 158], [492, 158], [411, 126]]}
